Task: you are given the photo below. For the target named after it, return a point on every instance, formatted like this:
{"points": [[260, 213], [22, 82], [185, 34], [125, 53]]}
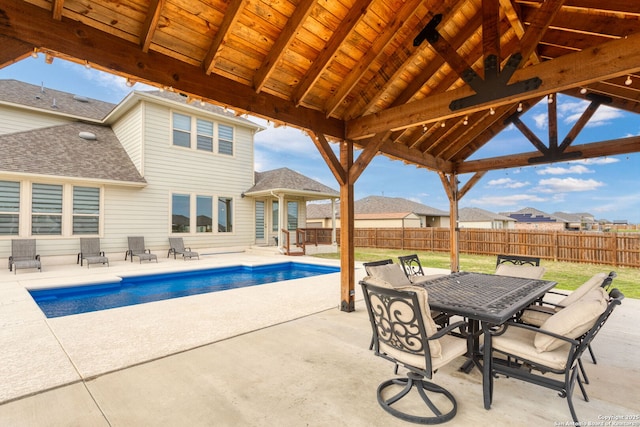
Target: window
{"points": [[275, 215], [86, 210], [46, 209], [181, 130], [204, 209], [205, 135], [225, 218], [9, 208], [180, 217], [225, 139], [292, 215]]}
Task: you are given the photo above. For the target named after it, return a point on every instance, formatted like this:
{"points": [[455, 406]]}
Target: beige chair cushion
{"points": [[519, 342], [451, 346], [594, 282], [524, 271], [391, 273], [572, 321]]}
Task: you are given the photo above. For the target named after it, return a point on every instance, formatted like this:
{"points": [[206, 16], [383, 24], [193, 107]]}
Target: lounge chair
{"points": [[136, 248], [176, 247], [90, 252], [23, 255]]}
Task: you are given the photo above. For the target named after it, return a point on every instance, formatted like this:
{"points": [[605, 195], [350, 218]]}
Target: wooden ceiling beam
{"points": [[13, 51], [279, 48], [386, 37], [616, 6], [367, 154], [590, 150], [29, 25], [355, 14], [609, 60], [540, 21], [151, 23], [231, 15]]}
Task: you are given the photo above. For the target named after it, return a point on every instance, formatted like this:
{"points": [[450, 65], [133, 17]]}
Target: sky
{"points": [[607, 188]]}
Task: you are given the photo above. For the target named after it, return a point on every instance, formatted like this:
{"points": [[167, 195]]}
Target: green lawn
{"points": [[568, 275]]}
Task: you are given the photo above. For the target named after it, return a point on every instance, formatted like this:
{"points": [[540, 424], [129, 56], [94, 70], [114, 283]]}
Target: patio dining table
{"points": [[486, 298]]}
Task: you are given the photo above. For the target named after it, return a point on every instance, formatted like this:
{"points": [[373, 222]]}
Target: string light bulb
{"points": [[583, 90], [129, 82], [443, 124], [466, 120], [492, 111], [34, 54], [520, 108], [424, 128], [86, 64], [628, 81], [550, 98]]}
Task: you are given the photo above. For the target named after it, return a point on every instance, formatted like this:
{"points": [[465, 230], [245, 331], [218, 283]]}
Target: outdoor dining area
{"points": [[510, 324]]}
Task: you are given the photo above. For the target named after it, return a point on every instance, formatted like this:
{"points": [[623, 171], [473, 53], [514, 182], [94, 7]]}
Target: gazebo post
{"points": [[347, 251]]}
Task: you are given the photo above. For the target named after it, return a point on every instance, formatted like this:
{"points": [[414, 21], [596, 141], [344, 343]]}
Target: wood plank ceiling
{"points": [[428, 82]]}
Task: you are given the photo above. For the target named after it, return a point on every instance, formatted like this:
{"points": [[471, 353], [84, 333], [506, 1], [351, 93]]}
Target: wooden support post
{"points": [[347, 252]]}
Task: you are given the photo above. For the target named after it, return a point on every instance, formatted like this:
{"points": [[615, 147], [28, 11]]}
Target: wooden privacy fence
{"points": [[616, 249]]}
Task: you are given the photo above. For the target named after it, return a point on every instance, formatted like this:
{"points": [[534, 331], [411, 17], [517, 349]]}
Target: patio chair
{"points": [[404, 333], [90, 252], [367, 265], [413, 269], [176, 246], [527, 352], [536, 314], [23, 255], [137, 248]]}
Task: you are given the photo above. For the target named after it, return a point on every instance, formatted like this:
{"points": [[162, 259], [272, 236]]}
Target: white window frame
{"points": [[194, 134]]}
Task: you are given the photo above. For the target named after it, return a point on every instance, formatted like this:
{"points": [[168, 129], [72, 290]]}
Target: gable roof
{"points": [[579, 217], [377, 207], [477, 214], [41, 98], [285, 180], [60, 151], [531, 215]]}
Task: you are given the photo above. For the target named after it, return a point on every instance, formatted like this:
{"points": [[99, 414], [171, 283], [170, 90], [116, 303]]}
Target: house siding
{"points": [[16, 120], [129, 131]]}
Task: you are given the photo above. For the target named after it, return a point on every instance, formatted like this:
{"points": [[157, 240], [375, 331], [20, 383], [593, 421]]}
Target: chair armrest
{"points": [[38, 257], [445, 331]]}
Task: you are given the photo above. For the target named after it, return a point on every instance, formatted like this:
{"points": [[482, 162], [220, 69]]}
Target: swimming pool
{"points": [[56, 302]]}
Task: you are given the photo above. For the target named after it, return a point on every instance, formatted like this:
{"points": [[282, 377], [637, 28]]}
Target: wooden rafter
{"points": [[300, 14], [56, 9], [588, 151], [540, 21], [354, 15], [367, 155], [562, 73], [387, 36], [231, 15], [151, 23]]}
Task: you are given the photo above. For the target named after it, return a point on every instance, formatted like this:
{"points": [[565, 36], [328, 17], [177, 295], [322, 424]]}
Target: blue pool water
{"points": [[58, 302]]}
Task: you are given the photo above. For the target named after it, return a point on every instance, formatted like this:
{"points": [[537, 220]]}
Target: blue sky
{"points": [[605, 187]]}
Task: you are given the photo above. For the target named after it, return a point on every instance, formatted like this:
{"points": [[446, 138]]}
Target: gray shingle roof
{"points": [[60, 151], [477, 214], [376, 205], [52, 101], [285, 178]]}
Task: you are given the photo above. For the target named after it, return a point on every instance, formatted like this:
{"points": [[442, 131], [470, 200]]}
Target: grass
{"points": [[568, 275]]}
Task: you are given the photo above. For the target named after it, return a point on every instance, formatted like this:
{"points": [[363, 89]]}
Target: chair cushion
{"points": [[391, 273], [451, 346], [524, 271], [572, 321], [519, 342], [536, 315], [594, 282]]}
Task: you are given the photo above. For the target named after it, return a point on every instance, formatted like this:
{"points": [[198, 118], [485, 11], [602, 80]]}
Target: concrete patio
{"points": [[278, 354]]}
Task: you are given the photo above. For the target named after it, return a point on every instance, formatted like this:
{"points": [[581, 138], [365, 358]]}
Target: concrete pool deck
{"points": [[276, 354]]}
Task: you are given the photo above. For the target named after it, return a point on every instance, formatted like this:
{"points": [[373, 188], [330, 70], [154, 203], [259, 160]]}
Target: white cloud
{"points": [[541, 120], [506, 183], [558, 170], [563, 185], [506, 200], [597, 161]]}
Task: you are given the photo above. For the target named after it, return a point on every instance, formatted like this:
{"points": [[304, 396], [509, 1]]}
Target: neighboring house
{"points": [[380, 212], [577, 221], [154, 165], [480, 218], [533, 219], [281, 197]]}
